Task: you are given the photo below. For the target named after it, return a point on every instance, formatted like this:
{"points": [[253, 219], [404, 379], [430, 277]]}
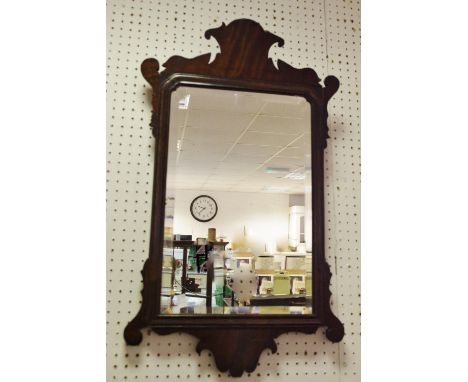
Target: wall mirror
{"points": [[236, 253], [238, 176]]}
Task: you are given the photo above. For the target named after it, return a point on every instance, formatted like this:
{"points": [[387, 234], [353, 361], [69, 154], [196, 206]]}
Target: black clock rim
{"points": [[201, 220]]}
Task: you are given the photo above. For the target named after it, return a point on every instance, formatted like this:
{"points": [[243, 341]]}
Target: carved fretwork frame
{"points": [[243, 64]]}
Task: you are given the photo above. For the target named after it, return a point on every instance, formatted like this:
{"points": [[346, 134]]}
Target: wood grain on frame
{"points": [[243, 64]]}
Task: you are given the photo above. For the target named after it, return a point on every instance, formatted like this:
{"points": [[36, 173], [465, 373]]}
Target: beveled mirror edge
{"points": [[252, 71]]}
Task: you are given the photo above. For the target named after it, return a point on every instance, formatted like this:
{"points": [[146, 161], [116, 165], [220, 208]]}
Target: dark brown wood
{"points": [[184, 268], [209, 280], [243, 64], [182, 243]]}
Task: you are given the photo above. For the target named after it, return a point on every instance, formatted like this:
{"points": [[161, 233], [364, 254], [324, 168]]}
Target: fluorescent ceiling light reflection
{"points": [[184, 102], [276, 170], [275, 189], [296, 176]]}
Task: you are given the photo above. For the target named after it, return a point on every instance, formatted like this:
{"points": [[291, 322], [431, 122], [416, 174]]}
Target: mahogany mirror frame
{"points": [[236, 341]]}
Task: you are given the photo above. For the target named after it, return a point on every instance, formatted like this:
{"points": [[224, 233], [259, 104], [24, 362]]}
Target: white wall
{"points": [[264, 215]]}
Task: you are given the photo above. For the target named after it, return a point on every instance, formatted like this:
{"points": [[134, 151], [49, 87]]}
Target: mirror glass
{"points": [[238, 215]]}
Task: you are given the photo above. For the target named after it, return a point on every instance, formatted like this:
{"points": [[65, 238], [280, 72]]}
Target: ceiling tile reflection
{"points": [[238, 141]]}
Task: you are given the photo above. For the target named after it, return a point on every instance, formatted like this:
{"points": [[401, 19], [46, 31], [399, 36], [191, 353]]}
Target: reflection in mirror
{"points": [[238, 218]]}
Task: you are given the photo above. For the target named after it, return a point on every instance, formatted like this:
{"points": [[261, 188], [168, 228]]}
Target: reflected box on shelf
{"points": [[201, 241], [178, 253], [296, 280], [302, 262], [180, 237], [264, 262], [264, 283], [297, 283], [243, 260], [218, 259], [281, 284], [200, 279]]}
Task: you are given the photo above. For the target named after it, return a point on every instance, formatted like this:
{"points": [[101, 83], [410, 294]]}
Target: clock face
{"points": [[203, 208]]}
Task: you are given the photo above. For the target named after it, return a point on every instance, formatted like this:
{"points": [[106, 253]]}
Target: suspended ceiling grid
{"points": [[239, 141]]}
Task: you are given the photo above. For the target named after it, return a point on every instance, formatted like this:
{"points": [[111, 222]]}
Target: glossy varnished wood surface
{"points": [[243, 64]]}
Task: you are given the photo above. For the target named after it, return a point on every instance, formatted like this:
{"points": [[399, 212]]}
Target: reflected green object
{"points": [[192, 259], [219, 295], [227, 291], [192, 264], [281, 285]]}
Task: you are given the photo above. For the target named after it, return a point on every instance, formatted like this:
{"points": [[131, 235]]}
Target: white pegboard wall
{"points": [[324, 35]]}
